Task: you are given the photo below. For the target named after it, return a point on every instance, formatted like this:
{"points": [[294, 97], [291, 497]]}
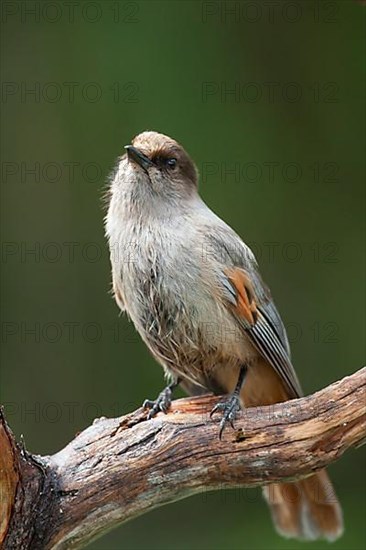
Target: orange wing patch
{"points": [[246, 306]]}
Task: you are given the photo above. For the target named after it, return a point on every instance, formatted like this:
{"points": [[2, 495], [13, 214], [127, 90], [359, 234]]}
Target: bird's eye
{"points": [[171, 163]]}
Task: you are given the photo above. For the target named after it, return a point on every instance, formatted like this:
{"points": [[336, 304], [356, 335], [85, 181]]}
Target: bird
{"points": [[194, 293]]}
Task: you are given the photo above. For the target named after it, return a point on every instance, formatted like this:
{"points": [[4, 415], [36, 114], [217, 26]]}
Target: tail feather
{"points": [[307, 509]]}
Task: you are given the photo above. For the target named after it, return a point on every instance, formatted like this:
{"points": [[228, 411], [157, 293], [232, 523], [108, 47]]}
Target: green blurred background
{"points": [[281, 160]]}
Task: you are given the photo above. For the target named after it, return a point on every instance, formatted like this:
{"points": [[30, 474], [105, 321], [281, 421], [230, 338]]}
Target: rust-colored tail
{"points": [[307, 509]]}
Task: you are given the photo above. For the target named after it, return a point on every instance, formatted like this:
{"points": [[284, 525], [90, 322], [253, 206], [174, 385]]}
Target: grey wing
{"points": [[267, 332], [269, 310], [266, 339]]}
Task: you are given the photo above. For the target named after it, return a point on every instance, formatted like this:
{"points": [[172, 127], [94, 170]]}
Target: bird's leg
{"points": [[163, 401], [230, 406]]}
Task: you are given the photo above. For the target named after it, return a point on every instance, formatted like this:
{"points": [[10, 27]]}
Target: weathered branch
{"points": [[120, 468]]}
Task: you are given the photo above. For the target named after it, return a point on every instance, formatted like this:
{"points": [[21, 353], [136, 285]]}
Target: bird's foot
{"points": [[162, 403], [229, 408]]}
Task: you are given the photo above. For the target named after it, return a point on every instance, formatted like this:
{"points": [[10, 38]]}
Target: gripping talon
{"points": [[232, 405], [161, 404], [229, 408]]}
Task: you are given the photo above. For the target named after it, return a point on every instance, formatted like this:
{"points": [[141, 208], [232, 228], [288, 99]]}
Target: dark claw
{"points": [[229, 409], [218, 407], [162, 403]]}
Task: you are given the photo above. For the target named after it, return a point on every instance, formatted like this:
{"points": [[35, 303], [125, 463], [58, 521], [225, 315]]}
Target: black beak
{"points": [[139, 158]]}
